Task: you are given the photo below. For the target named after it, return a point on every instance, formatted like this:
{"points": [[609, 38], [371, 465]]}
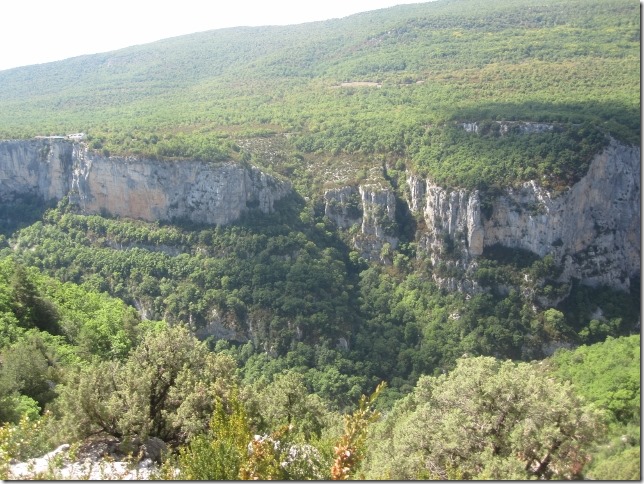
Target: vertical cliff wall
{"points": [[592, 229], [35, 168], [371, 209], [133, 187]]}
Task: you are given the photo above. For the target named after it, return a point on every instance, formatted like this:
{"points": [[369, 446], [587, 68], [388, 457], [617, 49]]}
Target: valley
{"points": [[338, 244]]}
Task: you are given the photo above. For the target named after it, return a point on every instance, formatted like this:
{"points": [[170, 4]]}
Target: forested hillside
{"points": [[407, 138], [199, 95]]}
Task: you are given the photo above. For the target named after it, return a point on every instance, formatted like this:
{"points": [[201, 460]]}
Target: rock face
{"points": [[372, 208], [136, 188], [35, 168], [592, 229], [450, 215], [343, 206]]}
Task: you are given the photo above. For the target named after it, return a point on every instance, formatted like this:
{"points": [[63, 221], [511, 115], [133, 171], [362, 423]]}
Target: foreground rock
{"points": [[99, 460]]}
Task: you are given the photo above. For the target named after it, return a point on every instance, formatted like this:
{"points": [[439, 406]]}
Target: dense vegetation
{"points": [[543, 421], [436, 64], [269, 333], [608, 374], [303, 292]]}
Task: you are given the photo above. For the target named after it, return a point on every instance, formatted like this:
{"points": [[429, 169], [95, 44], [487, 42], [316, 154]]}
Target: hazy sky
{"points": [[34, 32]]}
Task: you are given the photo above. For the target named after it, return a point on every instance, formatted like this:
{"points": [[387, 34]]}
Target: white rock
{"points": [[212, 193], [592, 229]]}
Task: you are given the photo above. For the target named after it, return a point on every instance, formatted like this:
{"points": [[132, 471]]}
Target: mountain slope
{"points": [[434, 62], [413, 185]]}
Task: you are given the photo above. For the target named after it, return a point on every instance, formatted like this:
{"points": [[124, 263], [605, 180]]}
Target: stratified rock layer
{"points": [[592, 229], [211, 193]]}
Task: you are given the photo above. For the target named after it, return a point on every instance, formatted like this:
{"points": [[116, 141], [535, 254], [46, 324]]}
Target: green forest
{"points": [[271, 348]]}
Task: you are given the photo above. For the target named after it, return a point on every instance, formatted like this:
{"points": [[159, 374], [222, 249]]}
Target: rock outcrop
{"points": [[343, 206], [505, 127], [35, 168], [211, 193], [371, 209], [97, 464], [592, 229]]}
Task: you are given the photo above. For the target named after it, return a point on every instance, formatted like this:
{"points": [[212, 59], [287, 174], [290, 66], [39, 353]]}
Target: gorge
{"points": [[591, 229]]}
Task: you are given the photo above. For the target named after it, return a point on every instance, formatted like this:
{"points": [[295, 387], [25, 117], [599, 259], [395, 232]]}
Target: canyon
{"points": [[591, 229]]}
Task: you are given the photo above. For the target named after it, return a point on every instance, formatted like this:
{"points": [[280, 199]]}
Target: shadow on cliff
{"points": [[286, 212], [292, 215], [618, 119], [21, 212]]}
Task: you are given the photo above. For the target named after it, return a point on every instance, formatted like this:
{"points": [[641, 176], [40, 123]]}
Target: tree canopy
{"points": [[487, 419]]}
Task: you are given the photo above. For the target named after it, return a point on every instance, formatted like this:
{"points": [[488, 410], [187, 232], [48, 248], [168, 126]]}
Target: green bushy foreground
{"points": [[608, 374], [312, 362], [486, 418]]}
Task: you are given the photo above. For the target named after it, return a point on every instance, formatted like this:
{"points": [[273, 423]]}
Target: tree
{"points": [[166, 388], [287, 402], [350, 450], [487, 419], [30, 308], [608, 374], [27, 368], [220, 453]]}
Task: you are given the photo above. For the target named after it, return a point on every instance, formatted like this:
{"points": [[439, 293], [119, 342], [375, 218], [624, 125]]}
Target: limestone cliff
{"points": [[35, 168], [133, 187], [343, 206], [371, 209], [592, 229]]}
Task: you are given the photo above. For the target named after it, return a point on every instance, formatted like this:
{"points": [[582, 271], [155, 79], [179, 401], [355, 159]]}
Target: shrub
{"points": [[166, 388]]}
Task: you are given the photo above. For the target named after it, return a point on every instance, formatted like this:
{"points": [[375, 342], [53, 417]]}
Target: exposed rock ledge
{"points": [[592, 230], [370, 208], [60, 465], [212, 193]]}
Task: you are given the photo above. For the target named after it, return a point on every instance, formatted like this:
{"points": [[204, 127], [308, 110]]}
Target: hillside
{"points": [[201, 95], [262, 224]]}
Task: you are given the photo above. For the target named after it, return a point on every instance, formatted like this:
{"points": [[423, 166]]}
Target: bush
{"points": [[219, 454], [26, 439], [487, 419], [166, 388]]}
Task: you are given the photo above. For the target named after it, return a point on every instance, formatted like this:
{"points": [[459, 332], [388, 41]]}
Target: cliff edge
{"points": [[592, 229], [211, 193]]}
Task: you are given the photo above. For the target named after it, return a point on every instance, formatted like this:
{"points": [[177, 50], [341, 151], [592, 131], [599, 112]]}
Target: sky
{"points": [[37, 31]]}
